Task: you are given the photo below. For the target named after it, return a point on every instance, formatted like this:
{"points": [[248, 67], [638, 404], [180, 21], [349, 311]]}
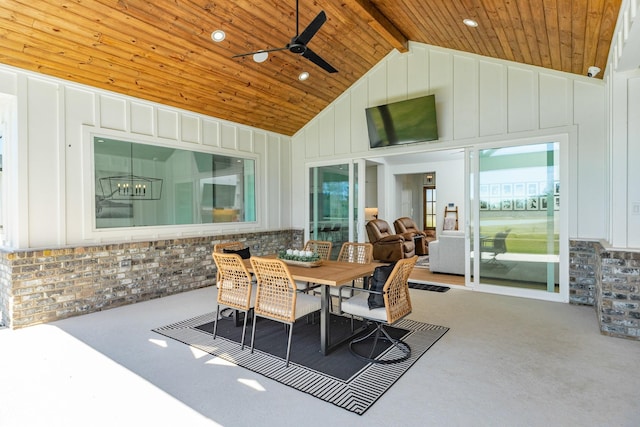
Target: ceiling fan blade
{"points": [[311, 29], [313, 57], [260, 51]]}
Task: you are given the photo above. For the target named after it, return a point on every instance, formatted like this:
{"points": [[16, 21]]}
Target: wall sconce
{"points": [[430, 178]]}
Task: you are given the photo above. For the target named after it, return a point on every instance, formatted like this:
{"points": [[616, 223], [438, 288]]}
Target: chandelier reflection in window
{"points": [[128, 187], [131, 187]]}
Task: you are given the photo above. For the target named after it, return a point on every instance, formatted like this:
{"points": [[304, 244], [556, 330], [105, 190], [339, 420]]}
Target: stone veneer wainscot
{"points": [[39, 286], [46, 285], [609, 280]]}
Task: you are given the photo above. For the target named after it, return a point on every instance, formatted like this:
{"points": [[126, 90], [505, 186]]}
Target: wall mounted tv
{"points": [[403, 122]]}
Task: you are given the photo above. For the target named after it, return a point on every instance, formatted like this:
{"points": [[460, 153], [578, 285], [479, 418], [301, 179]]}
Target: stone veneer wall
{"points": [[45, 285], [608, 279], [583, 272]]}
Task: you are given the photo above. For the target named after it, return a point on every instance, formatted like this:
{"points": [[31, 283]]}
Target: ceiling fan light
{"points": [[470, 22], [260, 56], [303, 76]]}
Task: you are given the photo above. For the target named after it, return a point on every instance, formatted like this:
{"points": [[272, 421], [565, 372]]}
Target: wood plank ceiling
{"points": [[162, 50]]}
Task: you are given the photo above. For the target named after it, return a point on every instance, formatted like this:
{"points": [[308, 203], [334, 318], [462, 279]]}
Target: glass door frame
{"points": [[472, 225], [357, 195]]}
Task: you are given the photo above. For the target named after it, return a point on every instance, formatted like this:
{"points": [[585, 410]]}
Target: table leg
{"points": [[325, 335]]}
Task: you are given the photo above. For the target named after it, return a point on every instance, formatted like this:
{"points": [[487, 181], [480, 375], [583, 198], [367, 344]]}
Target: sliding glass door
{"points": [[334, 209], [516, 223]]}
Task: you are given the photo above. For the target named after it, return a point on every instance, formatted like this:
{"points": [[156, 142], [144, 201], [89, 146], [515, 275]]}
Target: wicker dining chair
{"points": [[277, 297], [323, 249], [235, 289], [397, 305], [360, 253]]}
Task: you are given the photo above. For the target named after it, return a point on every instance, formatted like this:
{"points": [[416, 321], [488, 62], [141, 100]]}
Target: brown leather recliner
{"points": [[389, 247], [406, 225]]}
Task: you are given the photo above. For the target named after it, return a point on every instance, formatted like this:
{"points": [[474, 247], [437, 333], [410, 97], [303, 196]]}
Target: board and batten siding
{"points": [[50, 197], [479, 100]]}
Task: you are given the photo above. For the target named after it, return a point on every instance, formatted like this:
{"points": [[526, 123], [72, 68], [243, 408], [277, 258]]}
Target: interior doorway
{"points": [[429, 201]]}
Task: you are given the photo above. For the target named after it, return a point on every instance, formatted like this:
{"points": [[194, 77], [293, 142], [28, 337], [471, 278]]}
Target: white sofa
{"points": [[446, 255]]}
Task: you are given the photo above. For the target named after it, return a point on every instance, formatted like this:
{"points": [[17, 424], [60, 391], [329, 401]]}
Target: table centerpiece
{"points": [[300, 258]]}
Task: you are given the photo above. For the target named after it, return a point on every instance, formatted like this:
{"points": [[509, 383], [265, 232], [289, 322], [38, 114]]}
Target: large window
{"points": [[147, 185]]}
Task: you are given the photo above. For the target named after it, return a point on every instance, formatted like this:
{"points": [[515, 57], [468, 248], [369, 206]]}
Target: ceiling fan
{"points": [[298, 43]]}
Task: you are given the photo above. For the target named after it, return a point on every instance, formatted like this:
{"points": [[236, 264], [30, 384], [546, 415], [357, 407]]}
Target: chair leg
{"points": [[289, 343], [375, 341], [253, 331], [215, 322], [381, 334], [244, 328]]}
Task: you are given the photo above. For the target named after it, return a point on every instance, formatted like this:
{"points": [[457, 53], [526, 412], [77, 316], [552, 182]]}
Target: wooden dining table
{"points": [[328, 274]]}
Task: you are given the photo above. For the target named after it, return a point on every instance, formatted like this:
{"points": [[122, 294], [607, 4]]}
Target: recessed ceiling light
{"points": [[260, 56], [303, 76], [218, 36], [470, 22]]}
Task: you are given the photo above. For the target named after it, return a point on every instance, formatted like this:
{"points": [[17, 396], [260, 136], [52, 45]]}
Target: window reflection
{"points": [[146, 185]]}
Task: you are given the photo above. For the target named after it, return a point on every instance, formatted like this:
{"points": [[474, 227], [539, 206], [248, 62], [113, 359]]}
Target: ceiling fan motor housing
{"points": [[297, 47]]}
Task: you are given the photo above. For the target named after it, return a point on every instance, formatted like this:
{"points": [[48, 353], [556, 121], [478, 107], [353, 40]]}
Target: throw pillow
{"points": [[377, 281], [244, 252]]}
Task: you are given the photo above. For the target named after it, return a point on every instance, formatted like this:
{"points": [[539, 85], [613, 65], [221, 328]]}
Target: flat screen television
{"points": [[402, 122]]}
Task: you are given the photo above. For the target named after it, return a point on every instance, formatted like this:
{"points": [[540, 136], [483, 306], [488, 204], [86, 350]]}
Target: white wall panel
{"points": [[418, 71], [312, 142], [555, 101], [285, 216], [358, 99], [441, 79], [522, 100], [245, 140], [492, 98], [342, 126], [465, 97], [228, 136], [210, 130], [142, 118], [326, 133], [377, 85], [167, 124], [45, 177], [113, 113], [299, 191], [633, 156], [8, 82], [592, 150], [397, 79], [189, 128], [79, 110]]}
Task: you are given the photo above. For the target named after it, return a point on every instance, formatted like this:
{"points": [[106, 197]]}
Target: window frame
{"points": [[90, 231]]}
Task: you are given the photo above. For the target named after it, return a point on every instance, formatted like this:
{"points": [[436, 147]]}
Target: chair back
{"points": [[220, 247], [277, 292], [397, 299], [235, 246], [377, 229], [361, 253], [234, 281], [406, 225], [321, 247], [500, 242]]}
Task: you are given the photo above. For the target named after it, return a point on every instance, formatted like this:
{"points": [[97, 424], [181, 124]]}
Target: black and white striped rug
{"points": [[338, 378]]}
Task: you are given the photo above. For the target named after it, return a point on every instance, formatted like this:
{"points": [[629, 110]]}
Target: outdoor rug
{"points": [[428, 287], [338, 378]]}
